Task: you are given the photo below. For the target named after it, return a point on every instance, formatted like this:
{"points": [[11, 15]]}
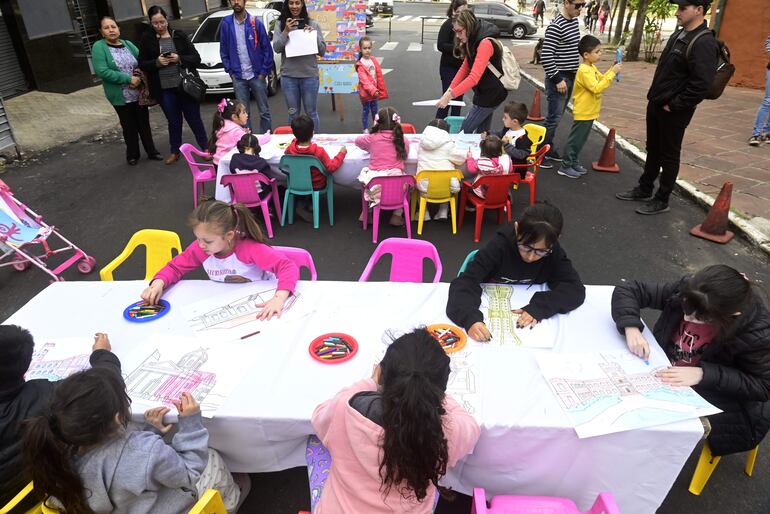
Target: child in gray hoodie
{"points": [[83, 457]]}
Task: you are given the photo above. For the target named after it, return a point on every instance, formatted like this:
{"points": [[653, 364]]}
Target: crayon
{"points": [[249, 335]]}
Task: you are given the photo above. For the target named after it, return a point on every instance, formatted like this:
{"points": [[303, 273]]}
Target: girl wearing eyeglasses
{"points": [[715, 330], [526, 253]]}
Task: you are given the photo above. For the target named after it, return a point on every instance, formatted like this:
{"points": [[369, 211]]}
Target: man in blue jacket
{"points": [[248, 57]]}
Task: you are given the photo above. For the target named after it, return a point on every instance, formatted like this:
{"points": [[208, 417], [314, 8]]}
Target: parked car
{"points": [[211, 69], [506, 18], [381, 6], [277, 4]]}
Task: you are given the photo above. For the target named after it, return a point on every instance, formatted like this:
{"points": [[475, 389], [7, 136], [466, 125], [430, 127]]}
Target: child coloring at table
{"points": [[388, 150], [526, 253], [715, 331], [81, 455], [302, 127], [371, 84], [438, 152], [20, 399], [393, 436], [231, 248], [230, 120], [516, 143], [493, 161]]}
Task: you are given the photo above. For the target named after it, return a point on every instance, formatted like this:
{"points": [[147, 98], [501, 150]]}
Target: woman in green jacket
{"points": [[114, 62]]}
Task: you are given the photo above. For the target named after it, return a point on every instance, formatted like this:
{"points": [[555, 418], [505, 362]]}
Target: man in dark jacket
{"points": [[20, 400], [680, 83]]}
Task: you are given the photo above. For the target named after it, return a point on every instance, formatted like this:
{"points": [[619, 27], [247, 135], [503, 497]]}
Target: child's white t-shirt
{"points": [[514, 134], [369, 64]]}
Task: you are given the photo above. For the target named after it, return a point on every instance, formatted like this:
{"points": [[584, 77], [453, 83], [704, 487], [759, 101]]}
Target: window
{"points": [[480, 9], [208, 32], [497, 10]]}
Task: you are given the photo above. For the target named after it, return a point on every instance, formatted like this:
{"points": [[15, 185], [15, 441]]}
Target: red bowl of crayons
{"points": [[333, 348], [140, 312], [451, 338]]}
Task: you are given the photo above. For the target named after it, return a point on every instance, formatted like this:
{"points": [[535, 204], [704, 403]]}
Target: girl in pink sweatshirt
{"points": [[392, 437], [231, 248], [493, 161], [229, 126]]}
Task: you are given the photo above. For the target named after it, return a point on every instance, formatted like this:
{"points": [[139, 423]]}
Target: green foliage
{"points": [[656, 13]]}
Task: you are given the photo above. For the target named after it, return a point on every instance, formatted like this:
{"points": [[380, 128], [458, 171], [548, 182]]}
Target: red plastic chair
{"points": [[604, 503], [408, 255], [243, 188], [300, 257], [532, 168], [408, 128], [201, 172], [496, 194], [394, 194], [283, 129]]}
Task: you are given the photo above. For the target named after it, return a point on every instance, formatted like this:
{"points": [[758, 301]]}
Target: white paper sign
{"points": [[302, 42], [432, 103]]}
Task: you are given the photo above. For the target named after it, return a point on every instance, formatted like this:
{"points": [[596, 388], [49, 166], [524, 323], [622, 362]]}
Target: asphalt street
{"points": [[94, 198]]}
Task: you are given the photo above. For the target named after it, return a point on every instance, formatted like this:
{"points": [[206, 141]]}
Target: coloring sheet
{"points": [[161, 368], [57, 359], [231, 316], [603, 393], [497, 304]]}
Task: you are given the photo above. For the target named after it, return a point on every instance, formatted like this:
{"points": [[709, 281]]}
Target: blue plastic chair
{"points": [[468, 259], [455, 122], [300, 182]]}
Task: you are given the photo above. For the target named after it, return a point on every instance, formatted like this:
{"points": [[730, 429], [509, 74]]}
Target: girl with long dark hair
{"points": [[715, 330], [392, 437]]}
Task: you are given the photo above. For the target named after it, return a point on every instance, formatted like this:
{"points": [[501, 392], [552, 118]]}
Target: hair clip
{"points": [[745, 277], [221, 105], [377, 118], [396, 117]]}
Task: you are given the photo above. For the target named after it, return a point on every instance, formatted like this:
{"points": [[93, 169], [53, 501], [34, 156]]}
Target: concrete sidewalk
{"points": [[714, 150]]}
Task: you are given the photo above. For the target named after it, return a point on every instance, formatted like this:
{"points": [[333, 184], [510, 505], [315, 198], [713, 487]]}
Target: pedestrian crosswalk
{"points": [[413, 47], [406, 19]]}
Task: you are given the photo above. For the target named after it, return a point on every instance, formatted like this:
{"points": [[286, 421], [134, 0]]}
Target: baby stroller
{"points": [[21, 228]]}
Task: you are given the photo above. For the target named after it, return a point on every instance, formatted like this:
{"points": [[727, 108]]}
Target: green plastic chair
{"points": [[300, 182], [455, 122], [468, 259]]}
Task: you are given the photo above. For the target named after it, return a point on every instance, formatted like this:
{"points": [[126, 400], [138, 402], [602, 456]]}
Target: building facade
{"points": [[744, 26]]}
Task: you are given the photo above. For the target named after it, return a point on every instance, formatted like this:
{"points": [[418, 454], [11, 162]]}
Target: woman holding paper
{"points": [[299, 65]]}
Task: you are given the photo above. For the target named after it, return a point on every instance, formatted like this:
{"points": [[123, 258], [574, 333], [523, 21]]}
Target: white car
{"points": [[211, 69]]}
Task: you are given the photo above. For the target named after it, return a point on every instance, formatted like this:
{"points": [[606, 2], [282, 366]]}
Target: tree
{"points": [[619, 26], [632, 49]]}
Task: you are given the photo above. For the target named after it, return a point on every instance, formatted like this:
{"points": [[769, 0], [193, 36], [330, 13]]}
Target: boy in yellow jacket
{"points": [[590, 83]]}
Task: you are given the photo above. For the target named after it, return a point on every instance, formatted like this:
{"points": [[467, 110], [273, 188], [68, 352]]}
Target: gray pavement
{"points": [[87, 191]]}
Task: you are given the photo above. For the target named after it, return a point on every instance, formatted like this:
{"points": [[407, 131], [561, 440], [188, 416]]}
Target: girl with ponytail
{"points": [[392, 437], [230, 121], [231, 248]]}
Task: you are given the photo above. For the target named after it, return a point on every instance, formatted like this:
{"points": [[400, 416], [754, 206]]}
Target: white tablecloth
{"points": [[527, 445], [356, 158]]}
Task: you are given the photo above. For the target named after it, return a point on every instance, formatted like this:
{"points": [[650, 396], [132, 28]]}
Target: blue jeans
{"points": [[367, 108], [478, 120], [244, 89], [176, 104], [557, 104], [447, 75], [762, 125], [304, 90]]}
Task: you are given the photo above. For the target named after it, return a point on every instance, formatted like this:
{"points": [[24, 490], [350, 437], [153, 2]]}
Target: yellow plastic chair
{"points": [[536, 134], [209, 503], [708, 462], [159, 245], [16, 500], [438, 192]]}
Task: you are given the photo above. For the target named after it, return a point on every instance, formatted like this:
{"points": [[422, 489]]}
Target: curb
{"points": [[744, 226]]}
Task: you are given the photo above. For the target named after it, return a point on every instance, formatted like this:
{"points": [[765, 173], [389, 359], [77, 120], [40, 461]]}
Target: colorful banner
{"points": [[338, 77], [351, 26]]}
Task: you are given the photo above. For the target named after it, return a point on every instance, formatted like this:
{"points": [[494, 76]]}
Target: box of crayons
{"points": [[333, 348], [141, 312], [451, 338]]}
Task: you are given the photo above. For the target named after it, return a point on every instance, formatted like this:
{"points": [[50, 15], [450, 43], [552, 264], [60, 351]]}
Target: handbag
{"points": [[145, 99], [192, 85]]}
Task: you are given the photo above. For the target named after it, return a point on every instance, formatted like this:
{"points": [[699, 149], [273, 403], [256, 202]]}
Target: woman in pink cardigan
{"points": [[229, 126], [392, 437]]}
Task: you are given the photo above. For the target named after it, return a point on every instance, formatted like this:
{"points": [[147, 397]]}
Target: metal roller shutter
{"points": [[12, 79], [165, 4], [192, 7]]}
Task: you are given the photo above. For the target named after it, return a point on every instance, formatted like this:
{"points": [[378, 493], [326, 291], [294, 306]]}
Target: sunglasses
{"points": [[540, 252]]}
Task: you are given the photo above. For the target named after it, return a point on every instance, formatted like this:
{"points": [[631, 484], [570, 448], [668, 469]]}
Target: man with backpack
{"points": [[683, 78]]}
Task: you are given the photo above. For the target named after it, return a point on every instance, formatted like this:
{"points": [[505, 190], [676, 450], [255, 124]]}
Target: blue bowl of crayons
{"points": [[140, 312], [333, 348]]}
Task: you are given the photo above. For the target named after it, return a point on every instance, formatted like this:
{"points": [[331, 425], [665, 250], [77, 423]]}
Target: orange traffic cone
{"points": [[607, 160], [534, 112], [714, 227]]}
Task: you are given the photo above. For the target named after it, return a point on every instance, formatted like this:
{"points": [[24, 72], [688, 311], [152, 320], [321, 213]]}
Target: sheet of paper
{"points": [[497, 304], [604, 393], [56, 359], [302, 42], [432, 103]]}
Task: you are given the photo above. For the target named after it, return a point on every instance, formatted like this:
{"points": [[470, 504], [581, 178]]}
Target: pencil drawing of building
{"points": [[236, 312], [580, 392], [54, 369], [165, 380]]}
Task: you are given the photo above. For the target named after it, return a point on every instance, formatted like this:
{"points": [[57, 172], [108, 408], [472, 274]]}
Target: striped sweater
{"points": [[560, 47]]}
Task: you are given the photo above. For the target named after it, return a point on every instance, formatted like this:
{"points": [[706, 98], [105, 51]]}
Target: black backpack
{"points": [[725, 70]]}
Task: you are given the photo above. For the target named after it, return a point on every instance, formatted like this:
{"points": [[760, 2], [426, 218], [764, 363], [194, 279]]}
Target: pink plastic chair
{"points": [[243, 187], [394, 194], [604, 503], [300, 257], [408, 255], [201, 172]]}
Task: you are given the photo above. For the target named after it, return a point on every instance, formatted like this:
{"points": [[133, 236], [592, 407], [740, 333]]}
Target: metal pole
{"points": [[390, 25], [422, 29]]}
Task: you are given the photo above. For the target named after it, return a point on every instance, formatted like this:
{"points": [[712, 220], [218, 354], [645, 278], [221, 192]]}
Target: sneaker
{"points": [[554, 156], [765, 138], [547, 164], [568, 172], [653, 207], [755, 140], [469, 207], [634, 195], [580, 169]]}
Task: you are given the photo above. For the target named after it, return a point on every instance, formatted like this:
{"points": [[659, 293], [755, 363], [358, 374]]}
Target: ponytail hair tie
{"points": [[377, 118], [221, 105], [396, 118]]}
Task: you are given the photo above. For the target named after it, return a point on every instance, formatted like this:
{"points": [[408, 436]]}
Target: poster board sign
{"points": [[328, 22], [337, 78], [350, 18]]}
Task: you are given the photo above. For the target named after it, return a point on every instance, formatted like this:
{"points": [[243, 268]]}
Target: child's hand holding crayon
{"points": [[187, 405], [479, 332], [153, 292], [154, 417], [101, 342]]}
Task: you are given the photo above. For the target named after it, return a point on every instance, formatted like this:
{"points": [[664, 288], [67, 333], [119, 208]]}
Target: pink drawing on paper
{"points": [[45, 367]]}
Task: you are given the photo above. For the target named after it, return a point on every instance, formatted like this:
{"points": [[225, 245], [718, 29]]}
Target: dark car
{"points": [[507, 19], [278, 4]]}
